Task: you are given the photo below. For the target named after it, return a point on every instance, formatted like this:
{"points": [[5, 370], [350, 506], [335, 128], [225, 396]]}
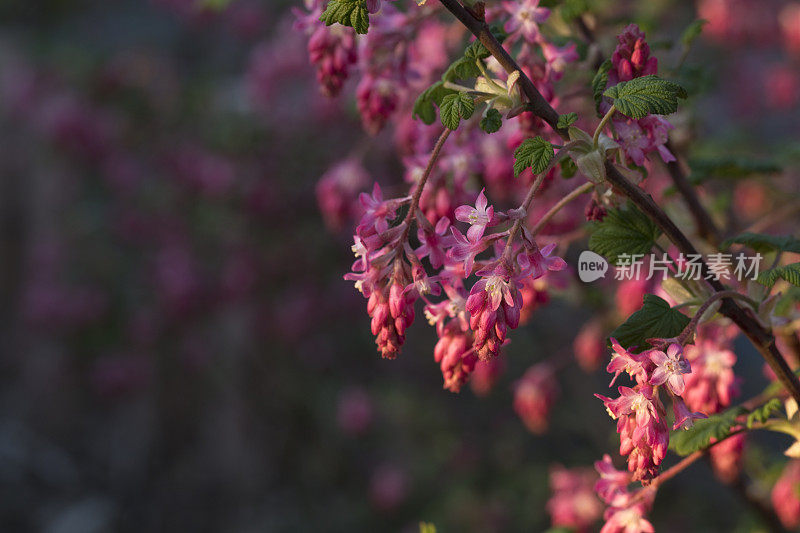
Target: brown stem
{"points": [[761, 338], [692, 325], [586, 187], [702, 219], [412, 209], [524, 209]]}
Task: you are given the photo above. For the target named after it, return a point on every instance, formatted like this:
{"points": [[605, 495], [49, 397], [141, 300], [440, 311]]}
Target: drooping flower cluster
{"points": [[786, 495], [573, 503], [626, 510], [638, 138], [534, 396], [389, 272], [640, 414]]}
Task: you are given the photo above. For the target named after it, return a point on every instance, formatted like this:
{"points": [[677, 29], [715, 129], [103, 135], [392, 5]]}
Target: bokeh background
{"points": [[178, 350]]}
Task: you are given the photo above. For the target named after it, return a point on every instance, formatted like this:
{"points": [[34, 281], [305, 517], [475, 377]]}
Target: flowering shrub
{"points": [[484, 261], [572, 225]]}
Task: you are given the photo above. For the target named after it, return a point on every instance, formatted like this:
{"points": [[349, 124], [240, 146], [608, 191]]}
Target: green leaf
{"points": [[462, 68], [790, 273], [766, 243], [572, 9], [692, 32], [533, 153], [648, 95], [476, 51], [492, 121], [568, 168], [352, 13], [423, 106], [455, 107], [655, 319], [565, 121], [623, 231], [699, 436], [729, 167], [599, 83], [761, 414]]}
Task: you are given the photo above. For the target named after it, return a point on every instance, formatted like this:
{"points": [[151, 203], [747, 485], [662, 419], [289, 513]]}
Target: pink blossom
{"points": [[534, 396], [627, 520], [377, 98], [631, 58], [573, 503], [624, 361], [727, 457], [612, 486], [670, 367], [526, 15], [465, 249], [589, 345], [455, 356], [535, 262], [434, 243], [479, 217], [494, 305], [785, 496], [684, 419]]}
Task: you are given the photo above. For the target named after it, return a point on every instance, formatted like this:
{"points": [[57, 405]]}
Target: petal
{"points": [[481, 202], [474, 233], [442, 225], [463, 212]]}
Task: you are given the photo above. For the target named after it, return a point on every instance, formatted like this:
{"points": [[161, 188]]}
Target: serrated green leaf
{"points": [[462, 68], [766, 243], [692, 32], [427, 527], [698, 437], [790, 273], [729, 167], [533, 153], [455, 107], [655, 319], [492, 121], [648, 95], [623, 231], [352, 13], [565, 121], [599, 83], [423, 106], [476, 50], [761, 414]]}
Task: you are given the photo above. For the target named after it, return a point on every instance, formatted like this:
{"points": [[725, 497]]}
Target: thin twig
{"points": [[586, 187]]}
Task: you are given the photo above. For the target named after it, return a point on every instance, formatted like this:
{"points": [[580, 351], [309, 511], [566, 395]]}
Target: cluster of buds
{"points": [[638, 138], [640, 414]]}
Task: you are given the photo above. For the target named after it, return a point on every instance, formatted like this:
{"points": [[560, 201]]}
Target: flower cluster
{"points": [[389, 272], [626, 510], [638, 138], [534, 396], [640, 414], [573, 503]]}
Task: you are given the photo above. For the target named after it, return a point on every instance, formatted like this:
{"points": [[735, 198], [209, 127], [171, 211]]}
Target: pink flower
{"points": [[494, 305], [435, 243], [589, 346], [670, 367], [627, 520], [376, 211], [612, 486], [526, 15], [624, 361], [534, 396], [727, 456], [479, 217], [684, 419], [631, 58], [557, 58], [535, 262], [465, 249], [455, 356], [712, 384], [377, 99], [573, 503], [785, 496]]}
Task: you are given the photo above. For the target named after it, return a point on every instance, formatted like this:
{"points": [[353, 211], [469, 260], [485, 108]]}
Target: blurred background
{"points": [[178, 349]]}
